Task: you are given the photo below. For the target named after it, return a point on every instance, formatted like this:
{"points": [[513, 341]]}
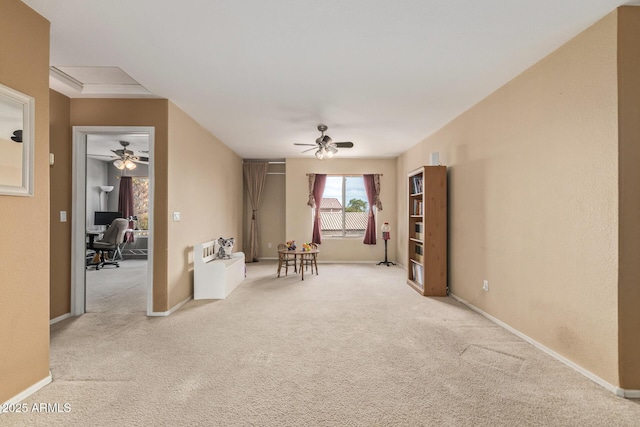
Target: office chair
{"points": [[111, 239]]}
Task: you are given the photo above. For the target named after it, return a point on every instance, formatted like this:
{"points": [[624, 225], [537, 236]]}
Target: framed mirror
{"points": [[17, 112]]}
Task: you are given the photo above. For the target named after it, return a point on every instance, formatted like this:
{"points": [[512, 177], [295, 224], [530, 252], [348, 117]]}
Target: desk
{"points": [[92, 234], [311, 255]]}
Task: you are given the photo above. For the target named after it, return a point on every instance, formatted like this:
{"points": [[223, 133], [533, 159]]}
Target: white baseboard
{"points": [[167, 313], [59, 318], [630, 394], [29, 391]]}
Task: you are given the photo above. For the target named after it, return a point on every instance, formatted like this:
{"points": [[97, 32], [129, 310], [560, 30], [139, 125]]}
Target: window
{"points": [[344, 208], [141, 201]]}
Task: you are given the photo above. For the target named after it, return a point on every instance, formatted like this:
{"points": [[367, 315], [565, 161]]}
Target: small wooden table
{"points": [[311, 255]]}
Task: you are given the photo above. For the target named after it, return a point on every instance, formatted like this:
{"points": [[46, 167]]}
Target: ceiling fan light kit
{"points": [[127, 159], [326, 147], [126, 164]]}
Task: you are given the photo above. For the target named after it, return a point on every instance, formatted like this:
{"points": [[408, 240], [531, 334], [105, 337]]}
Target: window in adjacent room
{"points": [[344, 208], [141, 201]]}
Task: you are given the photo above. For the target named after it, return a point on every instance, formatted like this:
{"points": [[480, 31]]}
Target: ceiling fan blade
{"points": [[309, 149], [343, 144], [104, 155], [143, 159], [311, 145]]}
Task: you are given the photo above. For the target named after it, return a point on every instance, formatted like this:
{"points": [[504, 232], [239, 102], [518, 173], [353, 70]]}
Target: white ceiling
{"points": [[260, 75], [100, 146]]}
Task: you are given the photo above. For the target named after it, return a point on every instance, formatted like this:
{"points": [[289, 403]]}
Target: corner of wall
{"points": [[629, 204]]}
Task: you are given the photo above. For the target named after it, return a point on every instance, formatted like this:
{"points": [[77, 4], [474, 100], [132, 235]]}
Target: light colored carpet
{"points": [[122, 289], [354, 346]]}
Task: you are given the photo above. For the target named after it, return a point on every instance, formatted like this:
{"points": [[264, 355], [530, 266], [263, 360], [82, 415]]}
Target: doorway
{"points": [[82, 201]]}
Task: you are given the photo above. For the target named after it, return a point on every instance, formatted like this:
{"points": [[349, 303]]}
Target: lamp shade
{"points": [[106, 188]]}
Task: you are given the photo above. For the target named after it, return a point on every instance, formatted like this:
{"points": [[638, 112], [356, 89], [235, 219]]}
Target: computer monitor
{"points": [[105, 218]]}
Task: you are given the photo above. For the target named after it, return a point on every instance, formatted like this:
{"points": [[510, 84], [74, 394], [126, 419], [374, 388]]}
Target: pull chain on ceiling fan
{"points": [[326, 147]]}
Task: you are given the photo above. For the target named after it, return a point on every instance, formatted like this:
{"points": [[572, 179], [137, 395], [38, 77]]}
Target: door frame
{"points": [[78, 216]]}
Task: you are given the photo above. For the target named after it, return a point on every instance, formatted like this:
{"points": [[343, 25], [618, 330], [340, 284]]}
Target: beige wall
{"points": [[533, 201], [24, 266], [195, 155], [299, 225], [138, 112], [60, 189], [205, 186], [629, 203]]}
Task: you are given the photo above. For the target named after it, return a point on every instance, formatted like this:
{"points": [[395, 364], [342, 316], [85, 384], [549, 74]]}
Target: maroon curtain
{"points": [[370, 189], [318, 189], [125, 202]]}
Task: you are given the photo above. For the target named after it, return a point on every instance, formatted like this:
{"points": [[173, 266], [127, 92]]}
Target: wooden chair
{"points": [[311, 260], [285, 259]]}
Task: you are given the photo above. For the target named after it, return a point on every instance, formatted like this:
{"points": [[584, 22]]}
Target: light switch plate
{"points": [[63, 216], [176, 216]]}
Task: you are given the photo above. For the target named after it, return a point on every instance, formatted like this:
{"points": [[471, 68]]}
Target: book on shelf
{"points": [[417, 271], [417, 184], [418, 227], [418, 252], [417, 207], [419, 280]]}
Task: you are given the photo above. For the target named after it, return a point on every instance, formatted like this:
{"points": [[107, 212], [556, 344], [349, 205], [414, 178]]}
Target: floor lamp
{"points": [[105, 189]]}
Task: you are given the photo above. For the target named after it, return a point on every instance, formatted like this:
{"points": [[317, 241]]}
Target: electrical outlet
{"points": [[176, 216], [485, 286]]}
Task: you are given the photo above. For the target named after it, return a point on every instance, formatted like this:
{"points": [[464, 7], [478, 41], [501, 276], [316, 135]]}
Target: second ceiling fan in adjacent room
{"points": [[126, 159]]}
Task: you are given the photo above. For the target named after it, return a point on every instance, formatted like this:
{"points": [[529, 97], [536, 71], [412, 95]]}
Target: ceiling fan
{"points": [[326, 147], [126, 159]]}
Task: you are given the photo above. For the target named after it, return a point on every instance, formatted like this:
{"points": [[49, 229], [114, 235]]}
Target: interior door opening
{"points": [[113, 178]]}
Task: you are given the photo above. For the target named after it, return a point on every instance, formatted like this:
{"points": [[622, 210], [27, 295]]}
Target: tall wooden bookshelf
{"points": [[427, 262]]}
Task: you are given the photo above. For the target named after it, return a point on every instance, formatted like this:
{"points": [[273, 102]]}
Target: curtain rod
{"points": [[343, 174], [272, 162]]}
